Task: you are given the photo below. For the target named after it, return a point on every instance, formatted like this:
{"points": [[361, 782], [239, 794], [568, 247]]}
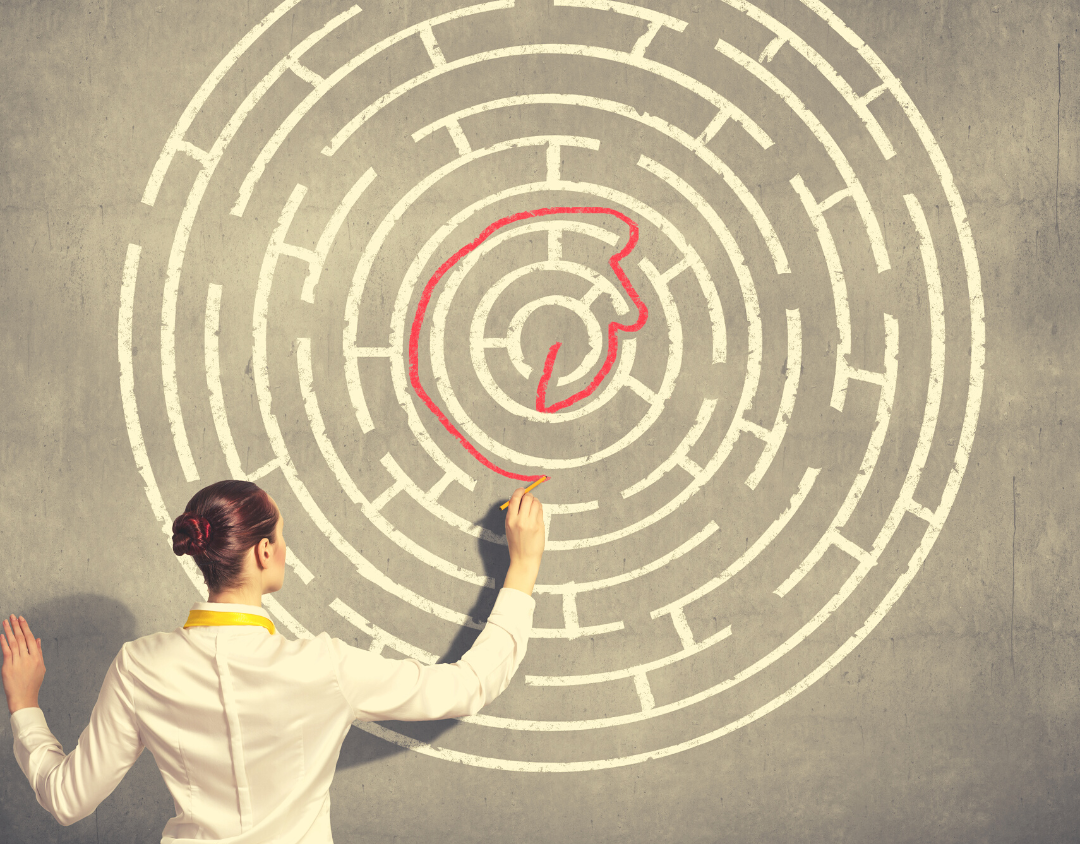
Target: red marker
{"points": [[549, 364]]}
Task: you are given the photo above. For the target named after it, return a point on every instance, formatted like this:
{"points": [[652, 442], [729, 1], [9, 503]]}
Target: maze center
{"points": [[700, 325]]}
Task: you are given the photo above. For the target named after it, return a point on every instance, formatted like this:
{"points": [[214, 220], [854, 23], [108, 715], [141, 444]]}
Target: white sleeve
{"points": [[378, 688], [70, 787]]}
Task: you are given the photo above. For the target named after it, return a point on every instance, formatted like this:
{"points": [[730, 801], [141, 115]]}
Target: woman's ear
{"points": [[262, 551]]}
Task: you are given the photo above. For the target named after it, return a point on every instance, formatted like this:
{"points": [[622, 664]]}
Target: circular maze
{"points": [[706, 268]]}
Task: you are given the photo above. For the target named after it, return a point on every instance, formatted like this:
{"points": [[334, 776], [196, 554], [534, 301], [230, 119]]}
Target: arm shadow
{"points": [[361, 747], [80, 636]]}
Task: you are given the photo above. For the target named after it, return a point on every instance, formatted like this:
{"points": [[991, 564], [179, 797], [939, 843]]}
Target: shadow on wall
{"points": [[80, 636], [360, 747]]}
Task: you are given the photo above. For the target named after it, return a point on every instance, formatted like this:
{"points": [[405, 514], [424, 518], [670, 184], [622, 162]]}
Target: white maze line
{"points": [[832, 534], [677, 457], [661, 281], [644, 392], [403, 483], [558, 509], [352, 378], [282, 132], [425, 253], [131, 414], [286, 618], [786, 36], [380, 638], [175, 142], [774, 436], [306, 74], [429, 500], [211, 330], [131, 411], [952, 485], [371, 509], [974, 397], [386, 495], [432, 46], [260, 329], [905, 502], [592, 325], [695, 145], [865, 563], [302, 571], [369, 351], [576, 507], [317, 258], [637, 673], [412, 277], [478, 343], [833, 150], [648, 65], [936, 302], [209, 161], [858, 193], [572, 628], [866, 560], [318, 426], [363, 269], [512, 343], [623, 673], [956, 205], [845, 372], [676, 609], [626, 577], [749, 384], [628, 350], [754, 341], [731, 247], [656, 20], [771, 49]]}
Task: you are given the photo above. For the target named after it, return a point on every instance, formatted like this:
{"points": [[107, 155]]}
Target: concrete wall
{"points": [[953, 720]]}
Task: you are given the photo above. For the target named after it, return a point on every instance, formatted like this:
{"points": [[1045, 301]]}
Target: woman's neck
{"points": [[236, 597]]}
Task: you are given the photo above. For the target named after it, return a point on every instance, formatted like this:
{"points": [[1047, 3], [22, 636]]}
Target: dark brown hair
{"points": [[221, 522]]}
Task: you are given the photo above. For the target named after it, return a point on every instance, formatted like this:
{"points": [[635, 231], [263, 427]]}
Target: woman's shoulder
{"points": [[151, 643], [157, 649]]}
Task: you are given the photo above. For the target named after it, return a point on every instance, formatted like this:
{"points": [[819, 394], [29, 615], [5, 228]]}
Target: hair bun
{"points": [[191, 535]]}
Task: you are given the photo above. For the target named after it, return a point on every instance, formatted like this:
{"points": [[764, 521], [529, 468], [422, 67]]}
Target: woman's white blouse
{"points": [[246, 727]]}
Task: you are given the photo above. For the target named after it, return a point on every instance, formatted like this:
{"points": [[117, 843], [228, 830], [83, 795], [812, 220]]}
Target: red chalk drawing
{"points": [[549, 363]]}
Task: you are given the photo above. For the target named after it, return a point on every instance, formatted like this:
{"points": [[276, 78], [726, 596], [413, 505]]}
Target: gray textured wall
{"points": [[955, 719]]}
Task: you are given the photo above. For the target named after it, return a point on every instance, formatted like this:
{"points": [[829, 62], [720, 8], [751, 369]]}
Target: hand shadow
{"points": [[361, 747], [80, 636]]}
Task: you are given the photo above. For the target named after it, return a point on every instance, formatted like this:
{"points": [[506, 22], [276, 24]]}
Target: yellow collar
{"points": [[211, 618]]}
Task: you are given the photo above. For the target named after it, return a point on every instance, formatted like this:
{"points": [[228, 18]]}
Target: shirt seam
{"points": [[337, 677]]}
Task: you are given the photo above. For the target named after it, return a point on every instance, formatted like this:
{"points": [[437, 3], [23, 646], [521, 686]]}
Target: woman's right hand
{"points": [[524, 539]]}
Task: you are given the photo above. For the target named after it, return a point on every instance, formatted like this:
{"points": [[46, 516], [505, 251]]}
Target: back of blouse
{"points": [[246, 726]]}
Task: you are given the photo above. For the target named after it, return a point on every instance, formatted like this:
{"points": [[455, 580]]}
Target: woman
{"points": [[246, 725]]}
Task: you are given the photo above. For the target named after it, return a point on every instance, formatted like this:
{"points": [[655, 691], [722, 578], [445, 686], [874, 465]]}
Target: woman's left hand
{"points": [[24, 667]]}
